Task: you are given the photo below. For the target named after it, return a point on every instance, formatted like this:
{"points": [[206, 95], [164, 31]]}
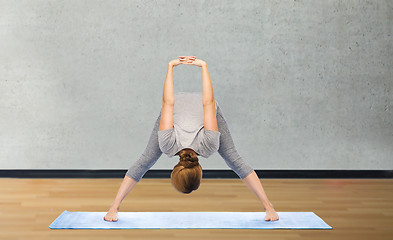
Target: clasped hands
{"points": [[187, 60]]}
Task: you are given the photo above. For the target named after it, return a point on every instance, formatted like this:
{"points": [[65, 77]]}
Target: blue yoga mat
{"points": [[150, 220]]}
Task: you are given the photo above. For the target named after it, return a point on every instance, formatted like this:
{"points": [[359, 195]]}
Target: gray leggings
{"points": [[227, 151]]}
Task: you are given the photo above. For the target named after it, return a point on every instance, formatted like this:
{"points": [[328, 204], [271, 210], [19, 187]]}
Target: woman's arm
{"points": [[168, 98], [207, 86], [209, 104], [168, 95], [168, 101], [208, 101]]}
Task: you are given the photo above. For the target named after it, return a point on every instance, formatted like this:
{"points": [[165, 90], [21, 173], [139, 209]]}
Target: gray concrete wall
{"points": [[303, 84]]}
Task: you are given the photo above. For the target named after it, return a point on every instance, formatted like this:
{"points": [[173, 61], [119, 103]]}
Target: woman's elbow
{"points": [[168, 102]]}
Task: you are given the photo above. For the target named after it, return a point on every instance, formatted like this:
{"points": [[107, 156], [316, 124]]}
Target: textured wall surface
{"points": [[303, 84]]}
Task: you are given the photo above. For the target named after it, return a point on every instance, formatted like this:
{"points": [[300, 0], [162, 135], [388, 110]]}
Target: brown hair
{"points": [[187, 174]]}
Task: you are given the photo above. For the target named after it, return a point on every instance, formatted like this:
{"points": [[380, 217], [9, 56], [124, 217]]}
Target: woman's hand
{"points": [[191, 60], [174, 62], [187, 60], [182, 60]]}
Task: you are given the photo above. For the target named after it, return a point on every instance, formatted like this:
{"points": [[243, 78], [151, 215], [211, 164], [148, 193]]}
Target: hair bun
{"points": [[187, 160], [189, 163]]}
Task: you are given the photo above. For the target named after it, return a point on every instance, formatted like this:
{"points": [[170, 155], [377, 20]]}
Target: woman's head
{"points": [[187, 174]]}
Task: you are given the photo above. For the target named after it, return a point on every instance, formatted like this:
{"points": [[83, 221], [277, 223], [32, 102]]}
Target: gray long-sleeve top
{"points": [[188, 128], [227, 151]]}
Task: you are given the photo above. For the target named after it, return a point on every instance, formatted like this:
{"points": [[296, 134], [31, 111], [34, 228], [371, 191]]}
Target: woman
{"points": [[190, 127]]}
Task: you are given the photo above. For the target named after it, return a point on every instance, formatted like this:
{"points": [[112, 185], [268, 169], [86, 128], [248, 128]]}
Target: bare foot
{"points": [[111, 216], [271, 214]]}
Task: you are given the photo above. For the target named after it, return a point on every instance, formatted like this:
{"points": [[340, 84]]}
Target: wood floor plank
{"points": [[355, 208]]}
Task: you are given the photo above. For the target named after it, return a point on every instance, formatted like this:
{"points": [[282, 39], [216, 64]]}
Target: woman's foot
{"points": [[271, 214], [111, 216]]}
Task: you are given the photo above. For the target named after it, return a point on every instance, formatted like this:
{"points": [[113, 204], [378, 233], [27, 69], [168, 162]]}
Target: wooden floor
{"points": [[355, 208]]}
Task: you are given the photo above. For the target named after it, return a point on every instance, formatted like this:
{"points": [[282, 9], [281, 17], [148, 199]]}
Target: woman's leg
{"points": [[149, 157], [228, 151]]}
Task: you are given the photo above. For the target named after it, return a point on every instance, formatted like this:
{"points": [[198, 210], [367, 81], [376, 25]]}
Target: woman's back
{"points": [[188, 127], [188, 111]]}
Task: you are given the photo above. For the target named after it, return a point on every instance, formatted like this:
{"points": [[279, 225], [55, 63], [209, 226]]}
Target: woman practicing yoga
{"points": [[190, 124]]}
